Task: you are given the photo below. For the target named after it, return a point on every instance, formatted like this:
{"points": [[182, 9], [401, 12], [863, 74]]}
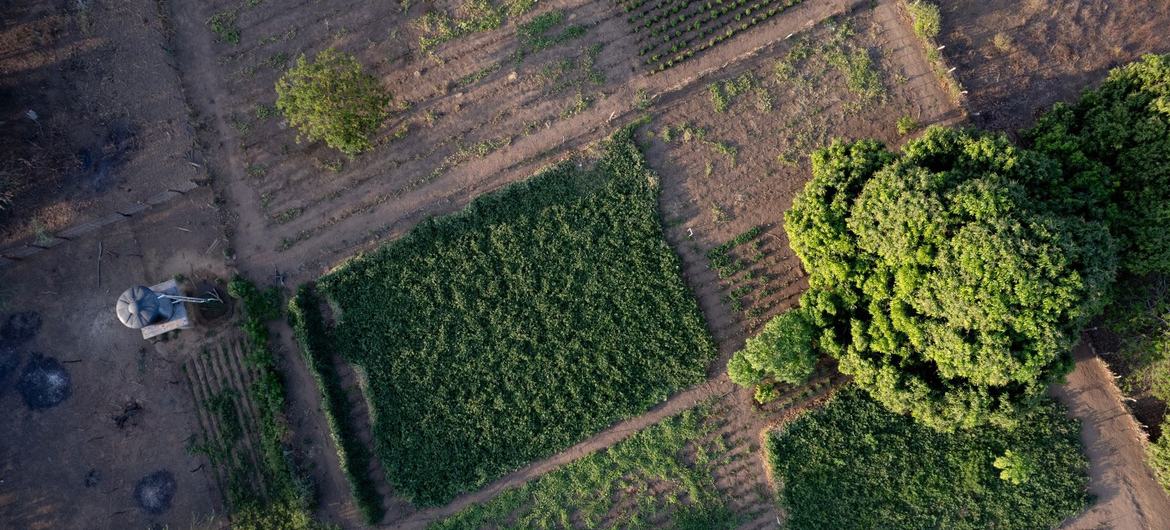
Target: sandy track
{"points": [[1128, 497]]}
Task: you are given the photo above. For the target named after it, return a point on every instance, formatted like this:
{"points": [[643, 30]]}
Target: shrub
{"points": [[938, 282], [333, 100], [1014, 467], [854, 465], [906, 125], [1114, 146], [927, 20], [536, 317], [783, 350]]}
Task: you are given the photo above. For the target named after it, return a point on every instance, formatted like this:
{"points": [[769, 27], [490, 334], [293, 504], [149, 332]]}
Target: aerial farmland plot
{"points": [[486, 264]]}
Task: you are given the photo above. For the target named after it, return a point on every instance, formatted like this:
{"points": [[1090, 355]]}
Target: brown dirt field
{"points": [[111, 128], [1048, 51], [1127, 494], [296, 215], [48, 454]]}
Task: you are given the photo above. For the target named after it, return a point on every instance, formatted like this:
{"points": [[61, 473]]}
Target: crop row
{"points": [[675, 30]]}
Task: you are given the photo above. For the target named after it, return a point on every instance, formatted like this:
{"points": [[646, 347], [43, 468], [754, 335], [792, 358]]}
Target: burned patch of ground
{"points": [[155, 492], [20, 327], [44, 383]]}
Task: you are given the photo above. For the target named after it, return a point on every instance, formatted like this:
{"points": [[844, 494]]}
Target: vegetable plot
{"points": [[539, 315], [672, 31]]}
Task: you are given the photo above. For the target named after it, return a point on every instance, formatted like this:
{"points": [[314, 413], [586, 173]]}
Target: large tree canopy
{"points": [[940, 284], [1114, 145]]}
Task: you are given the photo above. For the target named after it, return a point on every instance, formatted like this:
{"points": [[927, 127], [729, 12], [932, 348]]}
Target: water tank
{"points": [[139, 307]]}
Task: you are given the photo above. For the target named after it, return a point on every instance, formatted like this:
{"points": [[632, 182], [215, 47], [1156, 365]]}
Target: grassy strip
{"points": [[353, 456], [509, 331], [927, 23], [680, 453], [437, 27], [289, 501], [853, 464]]}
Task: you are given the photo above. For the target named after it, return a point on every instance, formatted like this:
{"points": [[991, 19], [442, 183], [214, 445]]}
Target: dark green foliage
{"points": [[680, 453], [332, 99], [536, 34], [940, 284], [853, 464], [1114, 145], [286, 504], [783, 350], [511, 330], [352, 454]]}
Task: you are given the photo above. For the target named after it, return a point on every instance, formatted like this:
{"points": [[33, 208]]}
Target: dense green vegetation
{"points": [[1114, 145], [938, 282], [332, 99], [352, 454], [506, 332], [853, 464], [782, 350], [666, 469], [285, 500]]}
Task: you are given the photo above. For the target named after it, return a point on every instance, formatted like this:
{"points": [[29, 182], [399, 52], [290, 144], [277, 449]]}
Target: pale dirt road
{"points": [[1127, 495]]}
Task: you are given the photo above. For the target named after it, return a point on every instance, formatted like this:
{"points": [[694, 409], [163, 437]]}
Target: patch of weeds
{"points": [[726, 149], [288, 215], [265, 111], [926, 17], [400, 132], [1003, 42], [478, 75], [223, 25], [579, 104], [718, 214], [535, 36], [331, 164], [906, 125], [471, 16], [240, 123], [718, 98], [642, 99], [255, 171]]}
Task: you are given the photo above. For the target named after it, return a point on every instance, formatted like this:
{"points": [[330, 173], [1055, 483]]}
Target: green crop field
{"points": [[501, 334], [853, 464], [662, 476]]}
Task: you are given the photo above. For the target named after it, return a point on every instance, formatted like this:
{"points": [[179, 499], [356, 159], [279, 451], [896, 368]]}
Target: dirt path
{"points": [[1127, 494]]}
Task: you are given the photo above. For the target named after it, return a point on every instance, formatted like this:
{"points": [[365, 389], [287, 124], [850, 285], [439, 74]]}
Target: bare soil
{"points": [[1127, 495], [1017, 58], [108, 124]]}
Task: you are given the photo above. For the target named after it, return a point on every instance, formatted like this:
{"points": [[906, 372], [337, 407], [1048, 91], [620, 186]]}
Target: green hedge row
{"points": [[309, 329]]}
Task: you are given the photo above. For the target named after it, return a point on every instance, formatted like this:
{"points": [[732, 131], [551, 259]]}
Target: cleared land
{"points": [[541, 314]]}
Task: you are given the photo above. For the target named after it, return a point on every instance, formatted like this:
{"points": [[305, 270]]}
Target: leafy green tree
{"points": [[938, 282], [333, 100], [1114, 148], [782, 350]]}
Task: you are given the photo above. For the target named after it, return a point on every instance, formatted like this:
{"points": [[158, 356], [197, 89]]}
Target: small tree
{"points": [[782, 350], [333, 100]]}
